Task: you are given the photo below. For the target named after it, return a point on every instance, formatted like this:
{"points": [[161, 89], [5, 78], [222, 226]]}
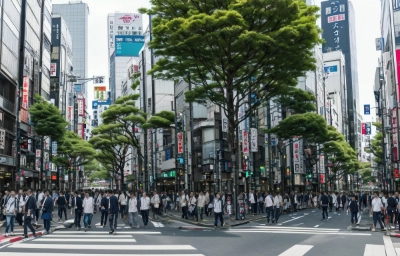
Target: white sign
{"points": [[53, 69], [245, 142], [2, 138], [80, 130], [81, 110], [111, 33], [254, 144], [225, 124], [128, 19], [296, 156], [38, 153]]}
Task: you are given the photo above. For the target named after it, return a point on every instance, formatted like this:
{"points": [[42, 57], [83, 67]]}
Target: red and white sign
{"points": [[180, 143], [81, 131], [53, 69], [127, 18], [322, 178], [25, 92], [335, 18], [395, 136], [363, 130], [245, 142], [70, 115], [38, 153], [81, 107]]}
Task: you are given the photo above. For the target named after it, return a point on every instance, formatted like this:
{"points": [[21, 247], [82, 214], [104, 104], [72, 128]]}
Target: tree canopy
{"points": [[230, 49], [375, 146], [47, 119]]}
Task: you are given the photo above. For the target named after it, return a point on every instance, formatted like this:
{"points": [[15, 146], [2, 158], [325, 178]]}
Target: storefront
{"points": [[167, 181], [6, 172]]}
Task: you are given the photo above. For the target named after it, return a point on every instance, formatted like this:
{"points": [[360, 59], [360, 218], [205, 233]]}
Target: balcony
{"points": [[7, 105]]}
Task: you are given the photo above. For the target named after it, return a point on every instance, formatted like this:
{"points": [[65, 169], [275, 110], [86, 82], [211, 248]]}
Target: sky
{"points": [[367, 14]]}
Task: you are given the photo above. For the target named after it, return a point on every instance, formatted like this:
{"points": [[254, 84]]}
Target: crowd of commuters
{"points": [[27, 206]]}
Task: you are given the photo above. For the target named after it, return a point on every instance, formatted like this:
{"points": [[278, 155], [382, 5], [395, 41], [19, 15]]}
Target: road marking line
{"points": [[297, 232], [294, 218], [290, 227], [374, 250], [390, 251], [297, 250], [85, 240], [89, 236], [104, 247], [316, 226], [106, 233], [76, 254]]}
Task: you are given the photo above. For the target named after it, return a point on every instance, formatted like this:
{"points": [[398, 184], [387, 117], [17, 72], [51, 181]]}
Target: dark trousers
{"points": [[377, 218], [277, 214], [221, 218], [184, 212], [260, 207], [77, 220], [354, 216], [391, 212], [122, 210], [28, 224], [294, 207], [104, 215], [145, 216], [254, 207], [113, 221], [270, 212], [46, 224], [19, 218], [324, 212], [36, 214], [62, 209]]}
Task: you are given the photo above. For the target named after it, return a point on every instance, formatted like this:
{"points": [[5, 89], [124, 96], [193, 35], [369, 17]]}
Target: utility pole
{"points": [[271, 180], [145, 153]]}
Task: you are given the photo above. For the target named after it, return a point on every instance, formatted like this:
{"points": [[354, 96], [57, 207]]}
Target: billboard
{"points": [[81, 107], [25, 92], [334, 23], [123, 24], [180, 142], [398, 73], [100, 92], [129, 19], [128, 45], [53, 69]]}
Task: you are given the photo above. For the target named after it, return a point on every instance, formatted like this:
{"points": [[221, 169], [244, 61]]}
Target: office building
{"points": [[75, 14], [338, 25]]}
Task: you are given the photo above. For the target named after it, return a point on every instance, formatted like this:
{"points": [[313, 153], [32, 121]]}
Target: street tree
{"points": [[47, 119], [228, 50], [296, 100], [96, 171], [375, 144]]}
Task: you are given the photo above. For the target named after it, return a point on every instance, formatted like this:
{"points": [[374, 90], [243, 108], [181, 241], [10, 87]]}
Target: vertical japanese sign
{"points": [[180, 143], [54, 148], [296, 156], [395, 135], [334, 23], [398, 73], [368, 128], [80, 131], [38, 153], [2, 138], [53, 69], [81, 107], [363, 131], [25, 93], [225, 124], [69, 115], [254, 143], [367, 109], [245, 142]]}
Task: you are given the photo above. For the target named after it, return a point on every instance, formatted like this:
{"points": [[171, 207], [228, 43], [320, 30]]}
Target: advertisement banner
{"points": [[53, 69], [38, 153], [363, 131], [296, 156], [69, 115], [245, 142], [368, 128], [100, 92], [24, 115], [25, 93], [378, 44], [180, 143], [128, 45], [81, 107], [398, 74], [80, 129], [129, 19], [225, 124], [367, 109], [2, 138], [95, 104], [254, 143], [394, 135]]}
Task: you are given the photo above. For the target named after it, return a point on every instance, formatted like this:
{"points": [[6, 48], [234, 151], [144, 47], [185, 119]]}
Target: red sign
{"points": [[396, 173], [394, 135], [180, 143], [23, 115], [398, 74], [363, 130], [322, 178], [54, 177], [25, 92], [335, 18]]}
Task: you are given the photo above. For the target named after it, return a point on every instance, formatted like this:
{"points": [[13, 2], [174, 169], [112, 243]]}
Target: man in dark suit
{"points": [[104, 209], [113, 212], [30, 208], [78, 208], [47, 210]]}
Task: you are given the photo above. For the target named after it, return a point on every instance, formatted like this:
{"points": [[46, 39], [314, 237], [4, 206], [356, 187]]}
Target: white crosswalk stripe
{"points": [[297, 250], [79, 243], [295, 230]]}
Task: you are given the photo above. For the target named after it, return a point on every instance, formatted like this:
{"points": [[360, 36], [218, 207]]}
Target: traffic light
{"points": [[24, 144], [309, 173], [247, 174]]}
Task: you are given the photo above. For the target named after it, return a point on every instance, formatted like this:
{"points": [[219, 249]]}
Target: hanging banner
{"points": [[367, 109], [368, 128], [2, 138], [25, 92], [38, 153], [81, 107], [363, 131], [225, 124], [254, 143], [296, 156], [245, 142], [395, 136], [180, 143]]}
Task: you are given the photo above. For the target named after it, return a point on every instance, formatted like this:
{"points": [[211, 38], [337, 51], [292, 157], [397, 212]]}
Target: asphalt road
{"points": [[297, 234]]}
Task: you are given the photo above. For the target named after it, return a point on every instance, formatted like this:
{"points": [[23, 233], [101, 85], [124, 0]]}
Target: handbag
{"points": [[46, 216]]}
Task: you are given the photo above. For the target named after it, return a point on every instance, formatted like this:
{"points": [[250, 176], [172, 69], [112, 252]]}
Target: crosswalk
{"points": [[78, 243], [295, 230]]}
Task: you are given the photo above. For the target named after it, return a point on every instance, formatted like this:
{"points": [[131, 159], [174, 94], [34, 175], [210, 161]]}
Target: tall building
{"points": [[120, 25], [338, 25], [76, 15]]}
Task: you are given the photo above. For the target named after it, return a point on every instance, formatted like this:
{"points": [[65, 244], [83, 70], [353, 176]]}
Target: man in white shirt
{"points": [[269, 207], [132, 210], [200, 204], [144, 208], [376, 208], [218, 211], [252, 201], [278, 202], [88, 204]]}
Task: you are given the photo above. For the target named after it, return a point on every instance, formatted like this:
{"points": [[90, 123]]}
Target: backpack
{"points": [[391, 202]]}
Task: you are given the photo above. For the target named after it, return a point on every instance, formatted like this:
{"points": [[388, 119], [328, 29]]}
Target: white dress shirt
{"points": [[132, 205], [268, 201], [217, 205], [277, 201], [88, 205], [144, 203], [200, 201]]}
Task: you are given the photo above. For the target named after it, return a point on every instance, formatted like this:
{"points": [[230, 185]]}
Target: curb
{"points": [[361, 228], [394, 235], [18, 238]]}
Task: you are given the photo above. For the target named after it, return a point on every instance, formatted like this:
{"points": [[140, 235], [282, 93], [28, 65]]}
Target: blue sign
{"points": [[330, 69], [128, 45], [77, 88], [167, 154], [367, 109], [368, 128], [95, 103]]}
